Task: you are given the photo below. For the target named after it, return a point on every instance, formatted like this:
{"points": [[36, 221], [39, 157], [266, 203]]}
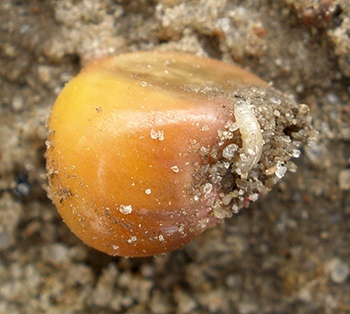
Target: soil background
{"points": [[287, 253]]}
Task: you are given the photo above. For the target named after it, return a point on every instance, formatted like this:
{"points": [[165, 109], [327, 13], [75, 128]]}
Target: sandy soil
{"points": [[288, 253]]}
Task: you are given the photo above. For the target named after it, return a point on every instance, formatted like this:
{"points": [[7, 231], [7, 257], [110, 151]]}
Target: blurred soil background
{"points": [[288, 253]]}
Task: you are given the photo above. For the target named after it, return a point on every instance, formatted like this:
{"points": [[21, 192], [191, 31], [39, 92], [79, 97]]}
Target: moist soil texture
{"points": [[288, 252]]}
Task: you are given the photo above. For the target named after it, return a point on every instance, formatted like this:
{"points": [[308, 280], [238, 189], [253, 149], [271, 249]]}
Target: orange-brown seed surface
{"points": [[131, 139]]}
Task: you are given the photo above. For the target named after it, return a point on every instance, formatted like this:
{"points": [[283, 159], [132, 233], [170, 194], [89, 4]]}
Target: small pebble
{"points": [[338, 270], [344, 179]]}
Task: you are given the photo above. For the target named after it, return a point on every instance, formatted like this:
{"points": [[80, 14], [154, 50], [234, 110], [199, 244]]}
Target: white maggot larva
{"points": [[251, 137]]}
